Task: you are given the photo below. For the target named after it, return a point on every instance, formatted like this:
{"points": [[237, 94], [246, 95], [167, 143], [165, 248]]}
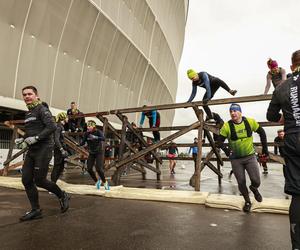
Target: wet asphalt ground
{"points": [[103, 223]]}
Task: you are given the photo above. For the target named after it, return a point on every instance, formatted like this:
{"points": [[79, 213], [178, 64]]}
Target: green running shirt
{"points": [[243, 146]]}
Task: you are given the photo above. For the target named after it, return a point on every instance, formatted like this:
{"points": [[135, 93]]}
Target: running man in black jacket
{"points": [[94, 138], [60, 149], [39, 127], [286, 98]]}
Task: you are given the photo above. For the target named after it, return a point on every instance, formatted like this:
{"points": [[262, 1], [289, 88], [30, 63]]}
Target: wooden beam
{"points": [[254, 98], [157, 145], [272, 156], [75, 146], [146, 165], [12, 126], [22, 151], [186, 145], [206, 126], [114, 163], [214, 169], [213, 146], [141, 139]]}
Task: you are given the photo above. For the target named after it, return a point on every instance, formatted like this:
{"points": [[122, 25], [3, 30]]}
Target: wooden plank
{"points": [[206, 159], [206, 126], [146, 165], [254, 98], [75, 146], [157, 145], [272, 156], [187, 145], [214, 169], [12, 126], [22, 151], [133, 166], [141, 139], [213, 146], [114, 131]]}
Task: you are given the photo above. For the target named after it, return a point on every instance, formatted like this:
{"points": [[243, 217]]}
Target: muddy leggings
{"points": [[97, 157], [249, 164], [34, 173]]}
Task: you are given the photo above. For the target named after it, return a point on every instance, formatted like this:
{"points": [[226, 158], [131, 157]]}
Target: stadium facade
{"points": [[102, 54]]}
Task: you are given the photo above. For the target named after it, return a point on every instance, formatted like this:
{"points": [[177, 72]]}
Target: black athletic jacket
{"points": [[59, 136], [93, 139], [286, 98], [39, 122]]}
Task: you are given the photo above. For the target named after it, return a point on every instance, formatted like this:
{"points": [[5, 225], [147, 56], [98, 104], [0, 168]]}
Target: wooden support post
{"points": [[199, 114], [219, 177], [158, 173], [123, 137]]}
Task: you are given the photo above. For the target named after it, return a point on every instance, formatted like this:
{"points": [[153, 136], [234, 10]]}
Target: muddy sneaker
{"points": [[247, 207], [232, 92], [98, 184], [106, 186], [256, 193], [32, 215], [64, 202]]}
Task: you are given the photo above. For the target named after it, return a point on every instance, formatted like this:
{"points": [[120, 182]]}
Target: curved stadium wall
{"points": [[103, 54]]}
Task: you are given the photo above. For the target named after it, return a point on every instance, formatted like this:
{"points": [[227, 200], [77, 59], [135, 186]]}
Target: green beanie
{"points": [[91, 123], [191, 73]]}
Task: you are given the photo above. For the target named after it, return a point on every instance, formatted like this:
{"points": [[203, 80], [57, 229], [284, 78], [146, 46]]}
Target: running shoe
{"points": [[232, 92], [247, 207], [33, 214], [106, 186], [98, 184], [64, 202], [256, 193]]}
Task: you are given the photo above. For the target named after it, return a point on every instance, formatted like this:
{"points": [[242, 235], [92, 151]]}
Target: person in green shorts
{"points": [[241, 151]]}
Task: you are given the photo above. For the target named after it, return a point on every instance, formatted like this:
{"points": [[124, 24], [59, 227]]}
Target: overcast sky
{"points": [[233, 39]]}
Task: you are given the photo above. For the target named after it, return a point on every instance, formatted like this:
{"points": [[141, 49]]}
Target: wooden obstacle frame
{"points": [[131, 157]]}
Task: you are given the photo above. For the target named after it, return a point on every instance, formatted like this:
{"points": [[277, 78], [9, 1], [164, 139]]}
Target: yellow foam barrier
{"points": [[159, 195], [224, 201], [268, 205]]}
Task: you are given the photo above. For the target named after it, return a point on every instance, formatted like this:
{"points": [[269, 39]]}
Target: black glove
{"points": [[265, 151]]}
